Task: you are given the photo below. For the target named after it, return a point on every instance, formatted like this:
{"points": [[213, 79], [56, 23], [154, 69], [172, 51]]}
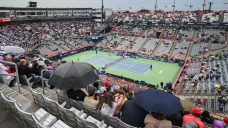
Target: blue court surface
{"points": [[126, 65]]}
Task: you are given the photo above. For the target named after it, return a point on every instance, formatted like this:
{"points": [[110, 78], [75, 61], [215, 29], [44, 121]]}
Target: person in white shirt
{"points": [[106, 105]]}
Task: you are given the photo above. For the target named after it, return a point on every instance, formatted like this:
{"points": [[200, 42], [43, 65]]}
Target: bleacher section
{"points": [[200, 78], [137, 44], [181, 49], [150, 45], [225, 18], [164, 47], [199, 48], [210, 17], [189, 17]]}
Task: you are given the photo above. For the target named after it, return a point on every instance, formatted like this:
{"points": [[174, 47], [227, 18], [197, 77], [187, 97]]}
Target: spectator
{"points": [[156, 120], [130, 95], [225, 120], [96, 85], [132, 114], [107, 105], [106, 83], [218, 124], [176, 119], [47, 74], [205, 117], [161, 84], [90, 99], [36, 68], [9, 58], [4, 70], [23, 68], [120, 99], [190, 124], [194, 117], [76, 94]]}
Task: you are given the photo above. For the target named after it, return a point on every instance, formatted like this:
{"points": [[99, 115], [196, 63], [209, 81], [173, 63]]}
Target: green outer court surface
{"points": [[161, 72]]}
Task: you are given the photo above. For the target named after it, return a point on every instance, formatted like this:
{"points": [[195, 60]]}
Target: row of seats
{"points": [[170, 17], [72, 111], [21, 107]]}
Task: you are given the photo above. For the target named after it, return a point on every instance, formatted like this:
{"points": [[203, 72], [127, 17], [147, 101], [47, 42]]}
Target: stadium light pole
{"points": [[156, 5], [174, 5], [210, 6], [190, 6], [204, 4], [102, 11]]}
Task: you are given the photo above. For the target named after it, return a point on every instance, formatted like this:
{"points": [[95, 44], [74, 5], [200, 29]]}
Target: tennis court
{"points": [[137, 69], [127, 65]]}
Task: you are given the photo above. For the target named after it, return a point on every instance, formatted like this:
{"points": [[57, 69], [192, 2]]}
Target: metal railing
{"points": [[16, 75]]}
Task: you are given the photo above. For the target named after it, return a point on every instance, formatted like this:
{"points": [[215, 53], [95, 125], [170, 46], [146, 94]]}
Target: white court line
{"points": [[131, 66]]}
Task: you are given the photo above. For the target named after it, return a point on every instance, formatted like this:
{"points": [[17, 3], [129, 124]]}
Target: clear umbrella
{"points": [[13, 49]]}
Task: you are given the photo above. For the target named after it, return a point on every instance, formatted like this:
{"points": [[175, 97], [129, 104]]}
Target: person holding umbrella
{"points": [[76, 94], [132, 114], [72, 77], [161, 106]]}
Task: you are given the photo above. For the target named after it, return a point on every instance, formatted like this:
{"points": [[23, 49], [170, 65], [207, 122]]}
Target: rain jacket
{"points": [[190, 117]]}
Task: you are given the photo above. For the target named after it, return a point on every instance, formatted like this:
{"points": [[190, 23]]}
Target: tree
{"points": [[144, 10]]}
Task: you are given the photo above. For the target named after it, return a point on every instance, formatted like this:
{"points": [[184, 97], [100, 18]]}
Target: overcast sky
{"points": [[122, 4]]}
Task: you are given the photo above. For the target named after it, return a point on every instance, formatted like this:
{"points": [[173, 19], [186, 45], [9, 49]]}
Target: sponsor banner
{"points": [[5, 20]]}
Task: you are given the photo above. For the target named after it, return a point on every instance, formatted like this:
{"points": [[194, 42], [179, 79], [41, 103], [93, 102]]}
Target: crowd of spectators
{"points": [[110, 96], [115, 100], [54, 37], [169, 17]]}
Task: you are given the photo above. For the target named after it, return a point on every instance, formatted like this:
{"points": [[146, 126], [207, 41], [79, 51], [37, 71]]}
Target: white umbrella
{"points": [[13, 49]]}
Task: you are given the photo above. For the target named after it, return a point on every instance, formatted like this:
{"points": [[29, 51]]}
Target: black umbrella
{"points": [[158, 101], [70, 75]]}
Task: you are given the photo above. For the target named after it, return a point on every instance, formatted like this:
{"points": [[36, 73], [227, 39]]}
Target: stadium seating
{"points": [[164, 47], [54, 109], [189, 17], [181, 49], [210, 17], [225, 18]]}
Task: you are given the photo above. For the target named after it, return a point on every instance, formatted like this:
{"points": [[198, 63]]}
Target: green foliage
{"points": [[144, 10]]}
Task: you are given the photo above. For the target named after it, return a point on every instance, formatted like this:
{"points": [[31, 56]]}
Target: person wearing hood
{"points": [[193, 117], [190, 124], [218, 124], [205, 117]]}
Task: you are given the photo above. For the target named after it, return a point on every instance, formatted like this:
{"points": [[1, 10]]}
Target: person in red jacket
{"points": [[194, 117]]}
